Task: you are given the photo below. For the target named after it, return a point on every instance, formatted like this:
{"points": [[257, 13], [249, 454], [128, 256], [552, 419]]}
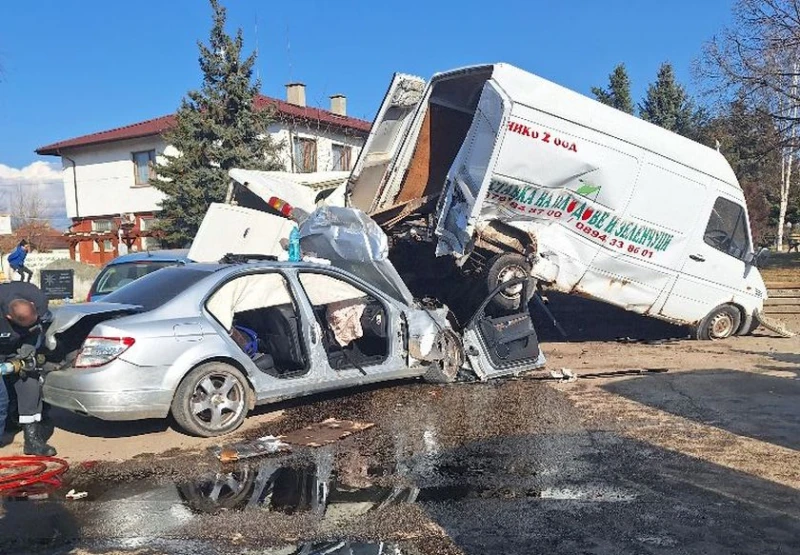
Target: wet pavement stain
{"points": [[503, 467]]}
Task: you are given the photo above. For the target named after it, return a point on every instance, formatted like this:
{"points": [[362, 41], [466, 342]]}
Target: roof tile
{"points": [[158, 125]]}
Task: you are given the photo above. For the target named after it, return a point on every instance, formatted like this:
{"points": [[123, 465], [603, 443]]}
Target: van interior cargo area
{"points": [[451, 109]]}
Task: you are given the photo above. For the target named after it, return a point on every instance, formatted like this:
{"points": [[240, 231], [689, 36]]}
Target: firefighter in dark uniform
{"points": [[24, 307]]}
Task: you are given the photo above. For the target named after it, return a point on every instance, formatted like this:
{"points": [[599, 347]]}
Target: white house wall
{"points": [[105, 176], [105, 172], [325, 141]]}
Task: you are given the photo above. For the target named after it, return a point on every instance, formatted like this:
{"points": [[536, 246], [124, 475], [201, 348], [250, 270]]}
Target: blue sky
{"points": [[75, 67]]}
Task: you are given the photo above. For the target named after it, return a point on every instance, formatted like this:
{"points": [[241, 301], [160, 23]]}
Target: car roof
{"points": [[167, 255]]}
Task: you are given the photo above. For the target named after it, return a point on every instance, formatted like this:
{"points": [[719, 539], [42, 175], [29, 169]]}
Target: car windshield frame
{"points": [[157, 288]]}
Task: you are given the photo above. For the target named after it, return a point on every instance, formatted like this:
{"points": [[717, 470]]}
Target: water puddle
{"points": [[322, 492]]}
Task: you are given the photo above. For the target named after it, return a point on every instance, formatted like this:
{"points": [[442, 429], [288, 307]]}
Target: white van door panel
{"points": [[385, 138], [624, 281], [459, 206], [713, 271]]}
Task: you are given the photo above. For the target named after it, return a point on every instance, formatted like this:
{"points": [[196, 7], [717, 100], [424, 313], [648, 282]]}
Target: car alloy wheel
{"points": [[212, 400], [218, 399]]}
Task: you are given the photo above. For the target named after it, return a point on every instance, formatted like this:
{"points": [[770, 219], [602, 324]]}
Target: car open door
{"points": [[499, 343], [388, 131]]}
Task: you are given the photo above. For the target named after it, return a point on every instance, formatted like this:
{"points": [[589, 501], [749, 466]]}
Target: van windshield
{"points": [[727, 229]]}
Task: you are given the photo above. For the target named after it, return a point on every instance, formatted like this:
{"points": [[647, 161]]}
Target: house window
{"points": [[108, 246], [103, 226], [149, 243], [143, 165], [146, 224], [305, 155], [341, 158]]}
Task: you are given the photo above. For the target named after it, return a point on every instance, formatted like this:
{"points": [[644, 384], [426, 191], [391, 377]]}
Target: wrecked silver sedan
{"points": [[207, 342]]}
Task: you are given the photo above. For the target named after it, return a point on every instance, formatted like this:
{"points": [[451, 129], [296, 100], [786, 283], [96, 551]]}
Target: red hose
{"points": [[18, 474]]}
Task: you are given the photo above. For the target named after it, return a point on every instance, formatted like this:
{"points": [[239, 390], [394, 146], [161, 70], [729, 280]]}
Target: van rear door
{"points": [[375, 162], [469, 176]]}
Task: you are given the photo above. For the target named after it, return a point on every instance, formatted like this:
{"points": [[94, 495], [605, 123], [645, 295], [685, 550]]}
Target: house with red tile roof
{"points": [[106, 174]]}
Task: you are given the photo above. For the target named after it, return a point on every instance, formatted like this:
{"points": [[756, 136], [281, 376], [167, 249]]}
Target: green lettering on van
{"points": [[531, 196], [544, 200], [597, 219], [662, 246], [623, 230], [647, 237], [611, 225], [636, 237]]}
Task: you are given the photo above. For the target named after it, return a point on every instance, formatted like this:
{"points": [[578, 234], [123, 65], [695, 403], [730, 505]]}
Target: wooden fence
{"points": [[784, 298]]}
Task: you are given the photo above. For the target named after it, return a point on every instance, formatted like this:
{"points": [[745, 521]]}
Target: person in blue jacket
{"points": [[17, 260]]}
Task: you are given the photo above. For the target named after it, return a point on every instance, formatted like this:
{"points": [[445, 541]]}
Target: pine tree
{"points": [[217, 128], [618, 93], [667, 104]]}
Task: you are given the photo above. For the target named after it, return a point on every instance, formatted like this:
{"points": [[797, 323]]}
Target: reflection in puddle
{"points": [[338, 490], [337, 548]]}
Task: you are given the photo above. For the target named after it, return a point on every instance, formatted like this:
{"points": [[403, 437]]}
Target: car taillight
{"points": [[97, 351]]}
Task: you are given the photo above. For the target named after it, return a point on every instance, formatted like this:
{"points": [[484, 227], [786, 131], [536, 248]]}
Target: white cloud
{"points": [[40, 178], [37, 172]]}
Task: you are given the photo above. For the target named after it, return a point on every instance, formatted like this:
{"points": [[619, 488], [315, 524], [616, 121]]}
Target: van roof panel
{"points": [[531, 90]]}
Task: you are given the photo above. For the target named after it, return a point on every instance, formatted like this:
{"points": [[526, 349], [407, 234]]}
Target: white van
{"points": [[509, 174]]}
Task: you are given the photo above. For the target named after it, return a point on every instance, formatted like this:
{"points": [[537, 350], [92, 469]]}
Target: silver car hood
{"points": [[66, 316]]}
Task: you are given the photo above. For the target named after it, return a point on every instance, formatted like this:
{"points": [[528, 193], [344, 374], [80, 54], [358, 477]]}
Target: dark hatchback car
{"points": [[130, 267]]}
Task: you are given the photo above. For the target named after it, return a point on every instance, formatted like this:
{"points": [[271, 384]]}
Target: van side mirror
{"points": [[757, 259]]}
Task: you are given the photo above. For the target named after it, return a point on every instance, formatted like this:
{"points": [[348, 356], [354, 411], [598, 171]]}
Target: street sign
{"points": [[58, 284]]}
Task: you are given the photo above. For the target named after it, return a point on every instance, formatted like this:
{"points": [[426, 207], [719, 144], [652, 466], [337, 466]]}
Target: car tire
{"points": [[211, 400], [721, 323], [505, 267], [446, 370]]}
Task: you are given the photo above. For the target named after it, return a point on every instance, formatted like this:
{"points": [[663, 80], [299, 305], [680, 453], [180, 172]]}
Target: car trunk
{"points": [[72, 324]]}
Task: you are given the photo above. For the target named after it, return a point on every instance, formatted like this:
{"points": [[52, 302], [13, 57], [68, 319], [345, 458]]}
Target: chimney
{"points": [[296, 94], [339, 104]]}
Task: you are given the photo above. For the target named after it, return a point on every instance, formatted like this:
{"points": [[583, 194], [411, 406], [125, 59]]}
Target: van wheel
{"points": [[721, 323], [754, 324], [505, 267], [212, 400]]}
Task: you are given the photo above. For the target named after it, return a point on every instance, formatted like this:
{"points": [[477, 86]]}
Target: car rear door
{"points": [[388, 131], [497, 343]]}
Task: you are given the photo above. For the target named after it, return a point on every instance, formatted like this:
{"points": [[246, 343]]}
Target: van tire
{"points": [[754, 325], [721, 323], [505, 267], [206, 383]]}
